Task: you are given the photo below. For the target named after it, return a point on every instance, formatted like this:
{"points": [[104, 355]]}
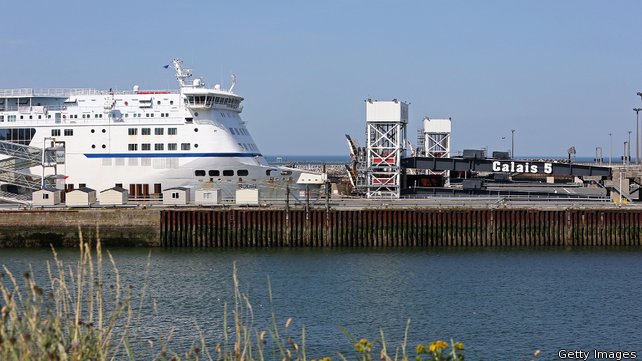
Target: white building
{"points": [[46, 197], [81, 197], [208, 196], [176, 196], [247, 197], [114, 196]]}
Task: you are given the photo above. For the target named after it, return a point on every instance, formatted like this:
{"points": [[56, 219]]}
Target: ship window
{"points": [[158, 102], [195, 145], [242, 172], [40, 117], [171, 131], [45, 196], [55, 132], [158, 131], [126, 115], [132, 131], [159, 146], [228, 173], [214, 173], [189, 120], [171, 146], [146, 131], [162, 115], [93, 146], [175, 195], [21, 117], [145, 146], [69, 132], [132, 147], [185, 146], [103, 146], [1, 118], [199, 173]]}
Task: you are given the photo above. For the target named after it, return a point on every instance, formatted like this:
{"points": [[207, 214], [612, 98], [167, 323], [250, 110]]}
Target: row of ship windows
{"points": [[217, 173], [157, 131], [159, 146], [66, 132], [132, 131], [147, 115]]}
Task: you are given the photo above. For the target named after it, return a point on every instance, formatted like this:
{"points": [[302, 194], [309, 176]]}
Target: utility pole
{"points": [[637, 134]]}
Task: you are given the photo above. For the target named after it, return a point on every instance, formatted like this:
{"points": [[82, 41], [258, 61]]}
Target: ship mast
{"points": [[181, 74]]}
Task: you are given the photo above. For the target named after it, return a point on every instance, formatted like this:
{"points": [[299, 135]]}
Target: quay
{"points": [[412, 226]]}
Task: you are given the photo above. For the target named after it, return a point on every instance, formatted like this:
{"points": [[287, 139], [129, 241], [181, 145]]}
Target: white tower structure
{"points": [[437, 141], [386, 139]]}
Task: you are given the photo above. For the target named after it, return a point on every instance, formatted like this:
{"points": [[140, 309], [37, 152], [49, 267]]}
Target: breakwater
{"points": [[400, 228]]}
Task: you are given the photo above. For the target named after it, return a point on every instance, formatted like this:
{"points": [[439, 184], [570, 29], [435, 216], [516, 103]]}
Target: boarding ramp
{"points": [[14, 170]]}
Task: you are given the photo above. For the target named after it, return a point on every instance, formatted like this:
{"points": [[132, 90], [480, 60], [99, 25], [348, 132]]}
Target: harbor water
{"points": [[503, 304]]}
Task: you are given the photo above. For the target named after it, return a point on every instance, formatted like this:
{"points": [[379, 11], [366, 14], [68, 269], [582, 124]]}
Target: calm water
{"points": [[502, 304]]}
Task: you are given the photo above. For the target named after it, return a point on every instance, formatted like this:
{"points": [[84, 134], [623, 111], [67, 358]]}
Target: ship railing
{"points": [[68, 92], [35, 109]]}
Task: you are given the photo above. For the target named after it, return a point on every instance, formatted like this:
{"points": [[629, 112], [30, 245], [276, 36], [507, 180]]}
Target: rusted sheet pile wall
{"points": [[400, 228]]}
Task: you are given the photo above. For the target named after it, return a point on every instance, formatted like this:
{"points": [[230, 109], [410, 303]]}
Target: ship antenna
{"points": [[181, 74], [233, 83]]}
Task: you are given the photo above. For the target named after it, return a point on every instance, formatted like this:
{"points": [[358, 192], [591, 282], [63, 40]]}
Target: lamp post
{"points": [[624, 152], [610, 148], [628, 149], [512, 143], [637, 134]]}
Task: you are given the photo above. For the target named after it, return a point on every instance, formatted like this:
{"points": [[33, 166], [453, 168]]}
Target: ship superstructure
{"points": [[144, 141]]}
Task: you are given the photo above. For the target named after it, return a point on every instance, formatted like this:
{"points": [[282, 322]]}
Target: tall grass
{"points": [[85, 313]]}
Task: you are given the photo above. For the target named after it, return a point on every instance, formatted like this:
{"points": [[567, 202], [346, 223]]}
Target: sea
{"points": [[501, 303]]}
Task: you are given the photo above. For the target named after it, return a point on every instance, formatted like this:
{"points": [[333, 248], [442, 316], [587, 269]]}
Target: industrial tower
{"points": [[386, 139]]}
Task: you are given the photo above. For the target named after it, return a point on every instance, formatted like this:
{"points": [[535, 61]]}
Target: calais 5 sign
{"points": [[527, 167]]}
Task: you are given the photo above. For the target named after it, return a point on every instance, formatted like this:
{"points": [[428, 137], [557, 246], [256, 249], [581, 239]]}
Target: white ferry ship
{"points": [[143, 141]]}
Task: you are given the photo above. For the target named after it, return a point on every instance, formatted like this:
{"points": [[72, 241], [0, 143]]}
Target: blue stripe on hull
{"points": [[172, 155]]}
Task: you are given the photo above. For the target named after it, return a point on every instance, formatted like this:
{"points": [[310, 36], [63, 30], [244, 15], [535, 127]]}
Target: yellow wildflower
{"points": [[421, 348], [458, 346]]}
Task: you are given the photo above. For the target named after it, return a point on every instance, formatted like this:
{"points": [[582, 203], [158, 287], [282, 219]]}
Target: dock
{"points": [[272, 227]]}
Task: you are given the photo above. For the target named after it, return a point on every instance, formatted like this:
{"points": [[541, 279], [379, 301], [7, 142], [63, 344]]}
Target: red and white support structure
{"points": [[437, 142], [386, 140]]}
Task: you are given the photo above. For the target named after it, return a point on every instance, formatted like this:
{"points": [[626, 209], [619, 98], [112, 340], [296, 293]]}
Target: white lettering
{"points": [[497, 166], [548, 168]]}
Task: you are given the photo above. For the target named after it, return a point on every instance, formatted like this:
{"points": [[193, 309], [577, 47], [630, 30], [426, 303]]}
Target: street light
{"points": [[628, 153], [610, 148], [512, 143], [637, 134]]}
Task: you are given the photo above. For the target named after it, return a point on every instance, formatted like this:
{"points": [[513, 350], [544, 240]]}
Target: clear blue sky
{"points": [[561, 73]]}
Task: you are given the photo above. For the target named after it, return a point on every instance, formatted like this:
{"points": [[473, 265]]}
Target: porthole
{"points": [[93, 146], [104, 146], [93, 131], [195, 145], [196, 129], [196, 114], [104, 130]]}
